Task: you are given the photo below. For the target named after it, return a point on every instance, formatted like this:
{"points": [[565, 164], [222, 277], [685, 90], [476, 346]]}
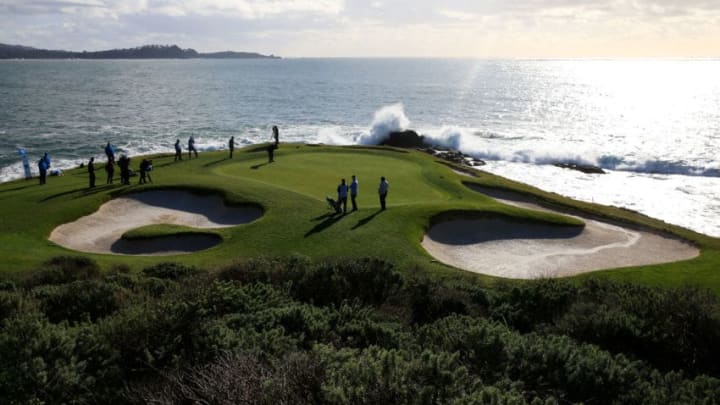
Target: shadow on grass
{"points": [[329, 220], [82, 192], [323, 216], [365, 220], [255, 167], [216, 162], [168, 163], [34, 183]]}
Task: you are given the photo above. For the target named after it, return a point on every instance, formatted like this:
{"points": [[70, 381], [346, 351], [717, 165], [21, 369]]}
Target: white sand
{"points": [[510, 249], [101, 231]]}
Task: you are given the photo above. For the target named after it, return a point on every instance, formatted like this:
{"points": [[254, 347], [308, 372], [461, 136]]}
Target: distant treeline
{"points": [[142, 52]]}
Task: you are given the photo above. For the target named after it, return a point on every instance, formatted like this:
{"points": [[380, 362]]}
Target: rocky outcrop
{"points": [[412, 140], [453, 156], [589, 169], [405, 139]]}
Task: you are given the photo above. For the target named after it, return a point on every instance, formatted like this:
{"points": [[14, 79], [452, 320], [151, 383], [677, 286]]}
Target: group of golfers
{"points": [[343, 190]]}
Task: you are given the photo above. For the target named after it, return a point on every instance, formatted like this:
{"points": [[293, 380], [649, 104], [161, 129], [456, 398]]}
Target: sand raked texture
{"points": [[505, 248], [101, 231]]}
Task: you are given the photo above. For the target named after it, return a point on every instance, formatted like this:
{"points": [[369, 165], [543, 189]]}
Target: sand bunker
{"points": [[505, 248], [101, 232]]}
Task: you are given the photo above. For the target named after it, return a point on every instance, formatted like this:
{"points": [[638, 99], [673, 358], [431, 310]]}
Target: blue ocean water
{"points": [[654, 124]]}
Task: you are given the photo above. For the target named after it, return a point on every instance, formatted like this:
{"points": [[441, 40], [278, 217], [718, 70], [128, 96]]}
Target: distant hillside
{"points": [[142, 52]]}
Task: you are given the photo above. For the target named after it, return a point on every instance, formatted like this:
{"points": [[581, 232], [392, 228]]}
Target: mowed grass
{"points": [[297, 219]]}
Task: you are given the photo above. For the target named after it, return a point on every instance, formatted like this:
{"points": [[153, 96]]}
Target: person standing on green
{"points": [[43, 166], [191, 147], [91, 171], [342, 191], [383, 191], [276, 135], [231, 145], [110, 170], [178, 150], [354, 192]]}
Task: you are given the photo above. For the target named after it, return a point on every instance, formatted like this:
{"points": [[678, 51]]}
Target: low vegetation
{"points": [[355, 330]]}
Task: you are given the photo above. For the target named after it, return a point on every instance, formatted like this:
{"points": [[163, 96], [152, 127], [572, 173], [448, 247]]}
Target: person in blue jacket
{"points": [[43, 166], [110, 152]]}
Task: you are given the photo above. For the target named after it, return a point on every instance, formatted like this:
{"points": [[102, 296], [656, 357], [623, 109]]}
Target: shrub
{"points": [[10, 304], [369, 280], [481, 344], [170, 271], [61, 270], [429, 301], [39, 363], [238, 379], [532, 304], [271, 270], [379, 376], [669, 328], [79, 300]]}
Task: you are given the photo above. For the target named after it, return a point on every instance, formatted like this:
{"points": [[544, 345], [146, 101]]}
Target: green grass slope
{"points": [[297, 219]]}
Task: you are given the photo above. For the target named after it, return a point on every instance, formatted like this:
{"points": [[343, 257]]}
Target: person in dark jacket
{"points": [[43, 166], [124, 164], [91, 171], [191, 147], [145, 167], [231, 145], [110, 170], [178, 150], [354, 192], [383, 189], [342, 191], [276, 136]]}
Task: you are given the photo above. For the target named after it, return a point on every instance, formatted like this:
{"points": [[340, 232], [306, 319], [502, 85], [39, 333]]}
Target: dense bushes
{"points": [[62, 269], [289, 330], [369, 280]]}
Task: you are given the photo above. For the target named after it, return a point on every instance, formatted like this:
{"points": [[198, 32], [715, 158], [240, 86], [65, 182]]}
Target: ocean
{"points": [[653, 125]]}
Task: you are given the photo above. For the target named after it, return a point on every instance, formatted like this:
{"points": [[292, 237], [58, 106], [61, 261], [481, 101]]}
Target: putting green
{"points": [[317, 174]]}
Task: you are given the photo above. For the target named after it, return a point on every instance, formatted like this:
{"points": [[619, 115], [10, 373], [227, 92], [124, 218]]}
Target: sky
{"points": [[374, 28]]}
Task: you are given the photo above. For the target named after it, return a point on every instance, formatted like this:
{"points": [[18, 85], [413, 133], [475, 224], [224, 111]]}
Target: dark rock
{"points": [[404, 139], [456, 157], [411, 139], [589, 169]]}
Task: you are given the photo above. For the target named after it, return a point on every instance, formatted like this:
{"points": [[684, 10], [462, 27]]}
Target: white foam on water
{"points": [[390, 118]]}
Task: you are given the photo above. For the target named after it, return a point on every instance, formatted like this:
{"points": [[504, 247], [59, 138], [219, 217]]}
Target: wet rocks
{"points": [[404, 139], [453, 156], [412, 140], [589, 169]]}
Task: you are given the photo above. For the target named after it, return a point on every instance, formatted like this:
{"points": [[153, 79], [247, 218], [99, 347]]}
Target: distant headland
{"points": [[141, 52]]}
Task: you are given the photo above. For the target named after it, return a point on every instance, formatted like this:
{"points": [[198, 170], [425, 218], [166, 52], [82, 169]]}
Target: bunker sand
{"points": [[101, 232], [522, 250]]}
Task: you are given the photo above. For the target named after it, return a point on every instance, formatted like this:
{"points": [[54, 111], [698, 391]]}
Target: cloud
{"points": [[248, 9], [488, 28]]}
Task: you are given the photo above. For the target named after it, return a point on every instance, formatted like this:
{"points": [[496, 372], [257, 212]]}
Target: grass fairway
{"points": [[296, 217]]}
